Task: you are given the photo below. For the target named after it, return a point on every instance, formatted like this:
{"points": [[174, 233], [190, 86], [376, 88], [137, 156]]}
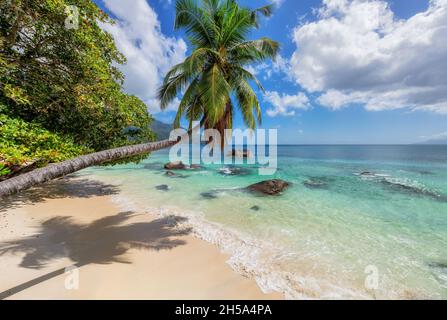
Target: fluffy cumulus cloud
{"points": [[149, 53], [284, 104], [358, 52]]}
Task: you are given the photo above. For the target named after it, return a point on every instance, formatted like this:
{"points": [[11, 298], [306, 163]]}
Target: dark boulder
{"points": [[175, 166], [269, 187]]}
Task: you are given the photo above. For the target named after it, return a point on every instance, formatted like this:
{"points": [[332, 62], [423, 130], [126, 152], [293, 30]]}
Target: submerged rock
{"points": [[153, 166], [316, 184], [172, 174], [209, 195], [196, 167], [269, 187], [439, 269], [255, 208], [319, 182], [175, 166], [412, 190], [162, 187], [438, 265], [367, 174], [234, 171]]}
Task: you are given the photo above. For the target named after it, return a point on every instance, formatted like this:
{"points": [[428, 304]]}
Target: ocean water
{"points": [[358, 222]]}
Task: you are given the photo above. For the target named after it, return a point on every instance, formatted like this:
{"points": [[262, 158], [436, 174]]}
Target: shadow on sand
{"points": [[104, 241], [68, 187]]}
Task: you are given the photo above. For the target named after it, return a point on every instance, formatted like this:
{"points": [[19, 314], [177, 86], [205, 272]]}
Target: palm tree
{"points": [[210, 77], [214, 72]]}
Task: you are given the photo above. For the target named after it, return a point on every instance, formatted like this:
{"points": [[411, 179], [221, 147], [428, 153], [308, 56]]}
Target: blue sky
{"points": [[349, 71]]}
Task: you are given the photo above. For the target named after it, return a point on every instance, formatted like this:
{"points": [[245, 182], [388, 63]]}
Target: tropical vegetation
{"points": [[62, 80], [66, 81]]}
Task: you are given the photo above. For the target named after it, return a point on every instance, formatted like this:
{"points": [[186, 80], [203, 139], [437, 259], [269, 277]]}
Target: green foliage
{"points": [[4, 170], [23, 143], [214, 75], [66, 79]]}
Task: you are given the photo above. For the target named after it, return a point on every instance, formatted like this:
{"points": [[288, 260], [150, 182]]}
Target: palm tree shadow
{"points": [[104, 241], [71, 186]]}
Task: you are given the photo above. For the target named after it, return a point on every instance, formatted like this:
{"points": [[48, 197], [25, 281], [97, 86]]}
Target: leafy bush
{"points": [[23, 143]]}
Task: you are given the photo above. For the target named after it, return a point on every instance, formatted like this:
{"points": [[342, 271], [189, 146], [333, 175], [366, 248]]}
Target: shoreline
{"points": [[120, 254]]}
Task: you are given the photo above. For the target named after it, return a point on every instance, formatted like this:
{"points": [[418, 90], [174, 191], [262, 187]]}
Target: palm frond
{"points": [[197, 61], [197, 23], [236, 26], [215, 93], [190, 98], [254, 50], [266, 11], [241, 73], [171, 87], [248, 104]]}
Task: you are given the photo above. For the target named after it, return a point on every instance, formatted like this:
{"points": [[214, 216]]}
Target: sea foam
{"points": [[250, 257]]}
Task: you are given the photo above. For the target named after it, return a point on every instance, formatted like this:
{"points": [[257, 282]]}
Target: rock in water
{"points": [[175, 166], [255, 208], [196, 167], [153, 165], [209, 195], [269, 187], [163, 187], [170, 174], [316, 183], [240, 153], [367, 174], [234, 171]]}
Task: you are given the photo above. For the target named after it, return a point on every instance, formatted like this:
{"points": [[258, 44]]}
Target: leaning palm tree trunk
{"points": [[57, 170]]}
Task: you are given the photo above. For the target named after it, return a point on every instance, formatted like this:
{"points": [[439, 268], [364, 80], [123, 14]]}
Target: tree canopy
{"points": [[65, 79]]}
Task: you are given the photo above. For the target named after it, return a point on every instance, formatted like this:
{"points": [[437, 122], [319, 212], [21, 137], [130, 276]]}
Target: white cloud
{"points": [[359, 52], [279, 65], [258, 68], [284, 104], [150, 54], [277, 3], [435, 137]]}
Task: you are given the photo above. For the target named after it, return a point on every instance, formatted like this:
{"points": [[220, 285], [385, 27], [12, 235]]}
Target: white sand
{"points": [[122, 255]]}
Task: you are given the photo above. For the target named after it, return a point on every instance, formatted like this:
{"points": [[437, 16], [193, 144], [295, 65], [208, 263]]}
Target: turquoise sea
{"points": [[358, 222]]}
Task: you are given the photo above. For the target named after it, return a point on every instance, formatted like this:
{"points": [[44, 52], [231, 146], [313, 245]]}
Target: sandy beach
{"points": [[109, 253]]}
